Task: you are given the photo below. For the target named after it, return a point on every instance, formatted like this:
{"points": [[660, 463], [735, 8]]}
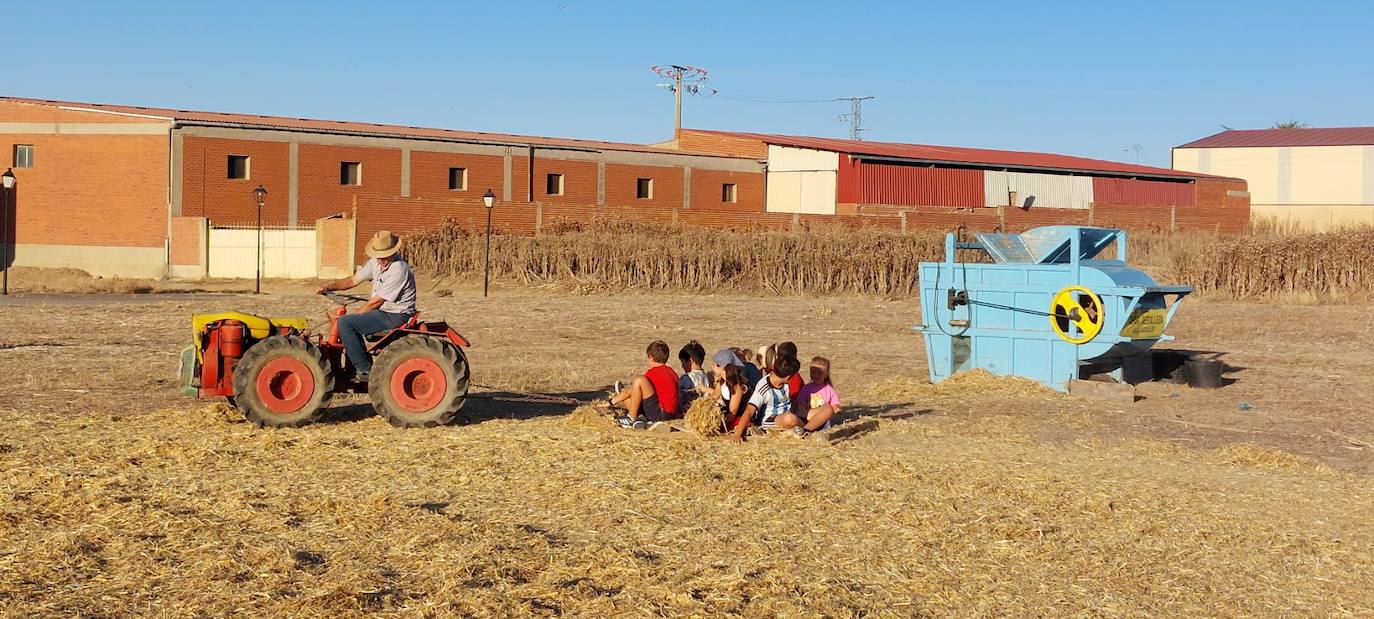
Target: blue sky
{"points": [[1089, 79]]}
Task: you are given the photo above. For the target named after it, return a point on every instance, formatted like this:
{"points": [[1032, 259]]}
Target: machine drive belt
{"points": [[1019, 309]]}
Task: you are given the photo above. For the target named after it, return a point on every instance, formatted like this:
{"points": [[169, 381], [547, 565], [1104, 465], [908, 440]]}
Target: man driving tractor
{"points": [[392, 302]]}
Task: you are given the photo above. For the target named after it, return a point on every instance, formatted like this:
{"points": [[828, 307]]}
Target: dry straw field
{"points": [[977, 497], [1268, 263], [981, 497]]}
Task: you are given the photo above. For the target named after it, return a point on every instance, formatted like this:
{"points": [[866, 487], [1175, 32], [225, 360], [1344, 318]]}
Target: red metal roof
{"points": [[982, 157], [1324, 136], [346, 127]]}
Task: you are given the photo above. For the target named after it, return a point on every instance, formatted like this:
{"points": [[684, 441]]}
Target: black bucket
{"points": [[1168, 366], [1203, 373]]}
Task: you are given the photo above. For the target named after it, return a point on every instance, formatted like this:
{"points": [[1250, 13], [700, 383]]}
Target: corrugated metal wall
{"points": [[892, 183], [1135, 191], [869, 182], [1037, 190]]}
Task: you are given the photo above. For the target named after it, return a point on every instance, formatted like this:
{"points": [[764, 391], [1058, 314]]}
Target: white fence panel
{"points": [[286, 253], [1038, 190]]}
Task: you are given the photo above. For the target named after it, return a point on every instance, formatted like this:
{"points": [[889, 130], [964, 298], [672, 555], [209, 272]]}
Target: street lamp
{"points": [[8, 181], [488, 200], [259, 196]]}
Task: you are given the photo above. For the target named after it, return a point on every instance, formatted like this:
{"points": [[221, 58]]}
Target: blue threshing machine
{"points": [[1045, 307]]}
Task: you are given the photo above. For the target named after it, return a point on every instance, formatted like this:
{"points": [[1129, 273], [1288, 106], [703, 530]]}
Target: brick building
{"points": [[122, 190]]}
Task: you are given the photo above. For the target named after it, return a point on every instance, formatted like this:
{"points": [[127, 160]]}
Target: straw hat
{"points": [[383, 244]]}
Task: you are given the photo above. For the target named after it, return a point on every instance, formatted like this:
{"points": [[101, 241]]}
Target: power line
{"points": [[693, 81], [855, 116], [754, 99], [690, 79]]}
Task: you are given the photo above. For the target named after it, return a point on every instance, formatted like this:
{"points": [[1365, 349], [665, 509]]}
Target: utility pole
{"points": [[1138, 149], [682, 77], [855, 116]]}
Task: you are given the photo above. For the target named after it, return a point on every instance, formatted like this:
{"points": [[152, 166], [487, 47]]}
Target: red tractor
{"points": [[279, 372]]}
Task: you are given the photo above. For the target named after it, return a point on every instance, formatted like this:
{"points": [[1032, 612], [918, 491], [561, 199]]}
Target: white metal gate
{"points": [[287, 252]]}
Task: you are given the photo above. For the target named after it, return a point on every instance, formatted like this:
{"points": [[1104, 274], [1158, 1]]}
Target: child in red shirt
{"points": [[651, 397], [788, 349]]}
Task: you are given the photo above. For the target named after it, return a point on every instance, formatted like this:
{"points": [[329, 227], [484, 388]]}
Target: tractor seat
{"points": [[409, 324]]}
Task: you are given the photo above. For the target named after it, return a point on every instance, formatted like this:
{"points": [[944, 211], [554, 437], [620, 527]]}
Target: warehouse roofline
{"points": [[971, 157], [339, 127], [1318, 136]]}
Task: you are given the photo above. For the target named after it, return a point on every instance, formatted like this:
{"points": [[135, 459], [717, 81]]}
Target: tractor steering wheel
{"points": [[343, 299]]}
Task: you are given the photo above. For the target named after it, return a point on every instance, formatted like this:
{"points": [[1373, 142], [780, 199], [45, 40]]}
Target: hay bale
{"points": [[704, 417], [977, 382], [592, 416]]}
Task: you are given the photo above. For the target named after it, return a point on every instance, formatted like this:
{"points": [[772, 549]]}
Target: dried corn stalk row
{"points": [[827, 259]]}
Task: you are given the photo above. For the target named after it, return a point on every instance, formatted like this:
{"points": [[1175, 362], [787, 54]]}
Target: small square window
{"points": [[238, 166], [553, 184], [727, 193], [23, 155], [458, 178], [350, 173], [644, 188]]}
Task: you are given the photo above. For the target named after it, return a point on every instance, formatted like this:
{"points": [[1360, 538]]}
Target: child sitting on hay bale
{"points": [[815, 404], [771, 399], [731, 390], [694, 382], [651, 397]]}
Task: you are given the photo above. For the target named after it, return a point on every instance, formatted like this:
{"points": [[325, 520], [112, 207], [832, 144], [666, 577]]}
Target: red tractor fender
{"points": [[428, 329]]}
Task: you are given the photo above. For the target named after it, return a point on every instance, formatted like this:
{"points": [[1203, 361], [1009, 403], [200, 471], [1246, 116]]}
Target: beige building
{"points": [[1318, 178]]}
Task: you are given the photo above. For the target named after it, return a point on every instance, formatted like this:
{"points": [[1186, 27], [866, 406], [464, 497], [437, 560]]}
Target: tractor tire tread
{"points": [[244, 378], [441, 351]]}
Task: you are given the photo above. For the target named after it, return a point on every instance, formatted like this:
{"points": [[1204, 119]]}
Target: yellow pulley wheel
{"points": [[1076, 314]]}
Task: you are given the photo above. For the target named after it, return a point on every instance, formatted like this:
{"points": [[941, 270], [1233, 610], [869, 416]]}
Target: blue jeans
{"points": [[352, 328]]}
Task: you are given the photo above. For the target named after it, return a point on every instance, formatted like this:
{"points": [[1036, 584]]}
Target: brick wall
{"points": [[429, 176], [622, 182], [703, 142], [320, 193], [92, 190], [706, 191], [579, 180], [187, 246], [207, 191]]}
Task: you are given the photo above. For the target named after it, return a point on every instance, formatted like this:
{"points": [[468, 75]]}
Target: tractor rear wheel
{"points": [[282, 381], [419, 382]]}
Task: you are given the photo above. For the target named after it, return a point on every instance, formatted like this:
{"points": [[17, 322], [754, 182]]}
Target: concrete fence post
{"points": [[1173, 218], [188, 248], [538, 217], [320, 237], [204, 248], [335, 246], [903, 216]]}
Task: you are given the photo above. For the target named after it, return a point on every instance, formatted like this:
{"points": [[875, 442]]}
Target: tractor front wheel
{"points": [[419, 382], [282, 381]]}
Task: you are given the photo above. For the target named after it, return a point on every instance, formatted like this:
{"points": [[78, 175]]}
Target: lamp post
{"points": [[488, 200], [259, 196], [8, 181]]}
